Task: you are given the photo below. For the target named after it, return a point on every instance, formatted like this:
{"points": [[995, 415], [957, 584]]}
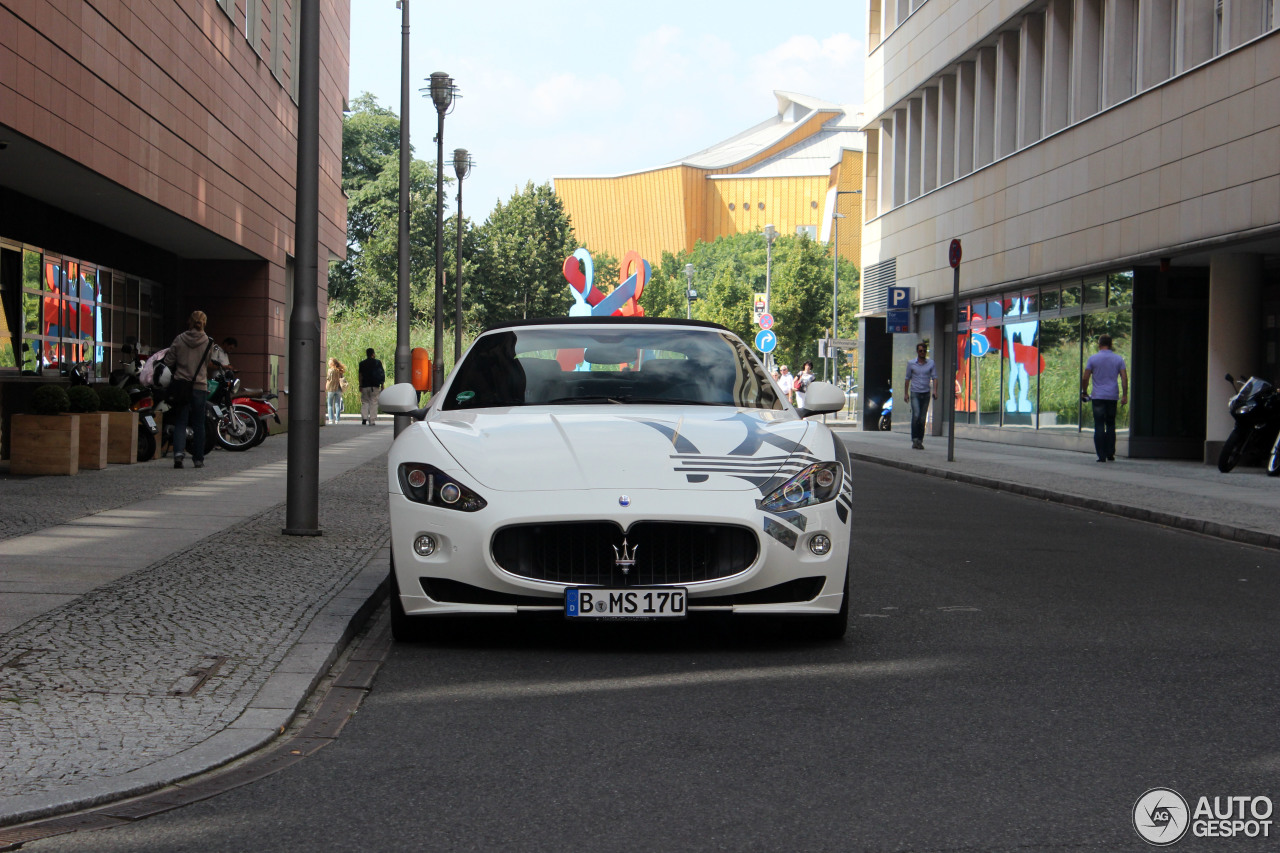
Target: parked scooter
{"points": [[1256, 409]]}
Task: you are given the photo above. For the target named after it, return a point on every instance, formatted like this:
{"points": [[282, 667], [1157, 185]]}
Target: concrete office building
{"points": [[147, 169], [1109, 166]]}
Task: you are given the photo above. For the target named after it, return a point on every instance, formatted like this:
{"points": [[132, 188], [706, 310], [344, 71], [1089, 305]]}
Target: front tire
{"points": [[1273, 461], [886, 423], [237, 431], [1232, 450], [146, 444]]}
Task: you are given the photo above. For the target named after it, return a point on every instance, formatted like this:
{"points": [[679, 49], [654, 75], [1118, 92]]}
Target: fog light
{"points": [[425, 545], [820, 545]]}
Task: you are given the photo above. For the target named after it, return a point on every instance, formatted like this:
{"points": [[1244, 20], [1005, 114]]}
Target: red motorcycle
{"points": [[259, 406]]}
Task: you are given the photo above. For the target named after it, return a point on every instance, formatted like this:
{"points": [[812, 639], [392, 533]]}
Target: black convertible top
{"points": [[609, 321]]}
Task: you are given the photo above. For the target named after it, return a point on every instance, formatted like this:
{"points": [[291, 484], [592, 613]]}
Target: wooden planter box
{"points": [[93, 440], [122, 437], [44, 444]]}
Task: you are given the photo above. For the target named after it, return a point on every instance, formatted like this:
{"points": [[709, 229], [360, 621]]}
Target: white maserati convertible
{"points": [[608, 468]]}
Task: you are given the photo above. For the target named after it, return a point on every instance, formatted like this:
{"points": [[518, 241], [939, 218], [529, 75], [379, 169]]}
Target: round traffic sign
{"points": [[766, 321], [766, 340], [953, 254]]}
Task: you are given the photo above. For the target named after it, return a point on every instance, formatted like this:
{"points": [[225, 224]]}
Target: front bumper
{"points": [[784, 566]]}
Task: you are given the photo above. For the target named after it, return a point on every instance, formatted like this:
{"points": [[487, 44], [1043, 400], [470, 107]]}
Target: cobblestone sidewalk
{"points": [[144, 669]]}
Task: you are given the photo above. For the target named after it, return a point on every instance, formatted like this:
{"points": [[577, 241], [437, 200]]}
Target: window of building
{"points": [[10, 308], [1022, 353], [59, 311]]}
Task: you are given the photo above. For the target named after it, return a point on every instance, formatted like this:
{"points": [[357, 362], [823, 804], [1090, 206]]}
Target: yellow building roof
{"points": [[789, 171]]}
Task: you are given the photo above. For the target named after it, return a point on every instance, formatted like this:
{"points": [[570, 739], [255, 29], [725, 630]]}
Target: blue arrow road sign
{"points": [[766, 340]]}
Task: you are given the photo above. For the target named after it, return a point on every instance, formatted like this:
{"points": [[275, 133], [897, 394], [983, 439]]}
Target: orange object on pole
{"points": [[420, 369]]}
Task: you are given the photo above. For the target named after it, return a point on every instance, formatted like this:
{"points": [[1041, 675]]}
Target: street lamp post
{"points": [[835, 295], [442, 97], [402, 367], [461, 167], [770, 234], [689, 293]]}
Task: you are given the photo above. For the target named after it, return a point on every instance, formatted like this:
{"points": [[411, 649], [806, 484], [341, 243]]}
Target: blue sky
{"points": [[566, 87]]}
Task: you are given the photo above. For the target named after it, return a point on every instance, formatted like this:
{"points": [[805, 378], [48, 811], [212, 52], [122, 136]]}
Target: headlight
{"points": [[816, 484], [426, 484]]}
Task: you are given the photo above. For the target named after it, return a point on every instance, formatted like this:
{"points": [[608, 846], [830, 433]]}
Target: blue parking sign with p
{"points": [[899, 298]]}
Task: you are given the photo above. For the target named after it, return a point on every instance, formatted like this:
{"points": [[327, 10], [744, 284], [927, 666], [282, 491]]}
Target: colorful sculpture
{"points": [[588, 301], [622, 301]]}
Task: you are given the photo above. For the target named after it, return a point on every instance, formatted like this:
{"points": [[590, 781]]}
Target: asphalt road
{"points": [[1018, 674]]}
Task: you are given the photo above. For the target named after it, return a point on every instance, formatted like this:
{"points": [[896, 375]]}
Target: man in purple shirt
{"points": [[922, 387], [1107, 369]]}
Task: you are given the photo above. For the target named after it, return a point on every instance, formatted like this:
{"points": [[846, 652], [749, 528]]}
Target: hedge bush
{"points": [[82, 398], [50, 400], [112, 398]]}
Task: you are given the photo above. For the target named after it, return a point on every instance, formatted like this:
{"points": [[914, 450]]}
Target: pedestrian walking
{"points": [[372, 378], [1110, 379], [188, 358], [786, 382], [335, 382], [802, 380], [922, 388]]}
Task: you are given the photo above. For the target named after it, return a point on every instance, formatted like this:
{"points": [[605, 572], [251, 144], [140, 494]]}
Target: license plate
{"points": [[150, 422], [631, 603]]}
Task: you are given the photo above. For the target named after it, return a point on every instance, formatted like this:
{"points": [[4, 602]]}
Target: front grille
{"points": [[666, 552]]}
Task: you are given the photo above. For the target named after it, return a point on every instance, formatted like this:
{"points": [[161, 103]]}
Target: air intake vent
{"points": [[876, 281]]}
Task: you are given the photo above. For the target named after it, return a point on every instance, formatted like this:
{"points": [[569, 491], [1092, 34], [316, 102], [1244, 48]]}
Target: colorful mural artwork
{"points": [[589, 301]]}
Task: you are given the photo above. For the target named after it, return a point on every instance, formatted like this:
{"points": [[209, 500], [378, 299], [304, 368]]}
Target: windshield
{"points": [[568, 365]]}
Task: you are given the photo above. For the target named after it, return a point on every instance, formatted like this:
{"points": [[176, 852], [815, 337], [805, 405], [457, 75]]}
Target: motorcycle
{"points": [[1256, 410], [233, 426], [886, 414], [257, 404]]}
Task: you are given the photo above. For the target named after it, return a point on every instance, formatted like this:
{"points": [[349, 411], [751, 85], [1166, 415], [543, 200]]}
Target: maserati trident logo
{"points": [[623, 558]]}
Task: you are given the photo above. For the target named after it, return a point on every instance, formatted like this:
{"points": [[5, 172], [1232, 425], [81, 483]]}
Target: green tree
{"points": [[520, 252], [729, 271], [366, 282]]}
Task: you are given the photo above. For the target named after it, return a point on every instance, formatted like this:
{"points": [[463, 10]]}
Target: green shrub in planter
{"points": [[112, 398], [82, 398], [50, 400]]}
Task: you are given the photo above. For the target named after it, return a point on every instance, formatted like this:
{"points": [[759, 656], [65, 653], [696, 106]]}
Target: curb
{"points": [[1215, 529], [267, 716]]}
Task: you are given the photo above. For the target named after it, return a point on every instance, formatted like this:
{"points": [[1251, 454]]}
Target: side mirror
{"points": [[401, 399], [822, 398]]}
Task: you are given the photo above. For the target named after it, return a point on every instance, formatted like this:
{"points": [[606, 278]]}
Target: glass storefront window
{"points": [[1120, 289], [1060, 381], [1095, 292], [1050, 299], [61, 311], [1021, 359]]}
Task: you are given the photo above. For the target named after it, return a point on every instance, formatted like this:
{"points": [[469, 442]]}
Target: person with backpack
{"points": [[372, 378]]}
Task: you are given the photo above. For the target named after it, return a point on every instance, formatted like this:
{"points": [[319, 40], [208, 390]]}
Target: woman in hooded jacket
{"points": [[188, 358]]}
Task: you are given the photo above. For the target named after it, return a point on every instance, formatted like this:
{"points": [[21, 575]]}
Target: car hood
{"points": [[621, 447]]}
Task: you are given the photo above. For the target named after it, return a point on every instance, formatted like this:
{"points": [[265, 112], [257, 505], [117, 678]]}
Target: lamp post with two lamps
{"points": [[462, 164], [835, 283], [443, 93]]}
